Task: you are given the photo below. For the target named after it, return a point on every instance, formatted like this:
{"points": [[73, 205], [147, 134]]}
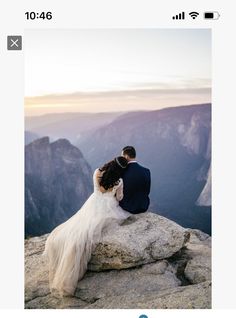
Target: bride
{"points": [[69, 246]]}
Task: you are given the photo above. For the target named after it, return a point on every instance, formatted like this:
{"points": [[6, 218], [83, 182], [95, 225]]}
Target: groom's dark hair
{"points": [[130, 151]]}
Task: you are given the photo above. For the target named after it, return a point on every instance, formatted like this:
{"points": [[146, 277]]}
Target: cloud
{"points": [[148, 91]]}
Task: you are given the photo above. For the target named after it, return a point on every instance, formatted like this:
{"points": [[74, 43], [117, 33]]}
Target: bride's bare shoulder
{"points": [[98, 172], [98, 175]]}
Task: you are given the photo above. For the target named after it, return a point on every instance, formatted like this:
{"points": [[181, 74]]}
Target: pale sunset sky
{"points": [[97, 70]]}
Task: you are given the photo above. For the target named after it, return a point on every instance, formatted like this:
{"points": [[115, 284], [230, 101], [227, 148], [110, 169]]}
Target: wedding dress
{"points": [[69, 246]]}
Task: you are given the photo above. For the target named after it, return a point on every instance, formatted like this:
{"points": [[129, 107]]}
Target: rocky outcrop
{"points": [[198, 268], [58, 180], [166, 271], [142, 238], [187, 297], [152, 277]]}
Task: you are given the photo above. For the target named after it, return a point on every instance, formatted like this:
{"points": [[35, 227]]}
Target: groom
{"points": [[137, 183]]}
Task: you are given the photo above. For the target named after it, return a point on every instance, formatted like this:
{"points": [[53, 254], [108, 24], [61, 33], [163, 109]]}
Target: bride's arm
{"points": [[119, 191]]}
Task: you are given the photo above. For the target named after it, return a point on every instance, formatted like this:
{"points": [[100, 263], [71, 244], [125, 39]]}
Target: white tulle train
{"points": [[69, 246]]}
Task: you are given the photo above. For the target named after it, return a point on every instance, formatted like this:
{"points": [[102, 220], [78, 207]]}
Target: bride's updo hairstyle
{"points": [[112, 172]]}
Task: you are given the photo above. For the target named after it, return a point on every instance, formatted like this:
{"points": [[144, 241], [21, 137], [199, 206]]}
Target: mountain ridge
{"points": [[58, 180], [175, 144]]}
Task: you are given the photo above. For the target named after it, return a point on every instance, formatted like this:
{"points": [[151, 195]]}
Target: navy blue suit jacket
{"points": [[137, 183]]}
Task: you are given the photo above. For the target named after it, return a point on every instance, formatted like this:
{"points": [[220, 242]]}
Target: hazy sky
{"points": [[116, 69]]}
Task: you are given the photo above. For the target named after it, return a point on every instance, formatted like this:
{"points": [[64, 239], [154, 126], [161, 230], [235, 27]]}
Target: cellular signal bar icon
{"points": [[180, 16]]}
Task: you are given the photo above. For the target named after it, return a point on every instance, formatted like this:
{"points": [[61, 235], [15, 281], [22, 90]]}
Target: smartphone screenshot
{"points": [[117, 138]]}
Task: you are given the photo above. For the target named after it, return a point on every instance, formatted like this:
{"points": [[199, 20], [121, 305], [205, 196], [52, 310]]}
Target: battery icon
{"points": [[211, 15]]}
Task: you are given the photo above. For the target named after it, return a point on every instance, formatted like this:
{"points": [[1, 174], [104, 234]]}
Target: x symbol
{"points": [[14, 43]]}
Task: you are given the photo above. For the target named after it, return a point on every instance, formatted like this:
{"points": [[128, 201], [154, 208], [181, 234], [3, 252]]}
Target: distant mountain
{"points": [[68, 125], [175, 144], [205, 196], [30, 136], [58, 180]]}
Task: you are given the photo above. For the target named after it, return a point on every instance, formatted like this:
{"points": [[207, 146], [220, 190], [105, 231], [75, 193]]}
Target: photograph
{"points": [[117, 168]]}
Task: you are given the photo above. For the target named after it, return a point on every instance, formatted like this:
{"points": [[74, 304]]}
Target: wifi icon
{"points": [[193, 14]]}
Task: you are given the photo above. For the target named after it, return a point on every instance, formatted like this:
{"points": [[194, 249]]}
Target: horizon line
{"points": [[206, 103]]}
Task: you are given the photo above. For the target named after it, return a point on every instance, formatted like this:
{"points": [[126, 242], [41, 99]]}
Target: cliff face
{"points": [[147, 261], [57, 183], [205, 196]]}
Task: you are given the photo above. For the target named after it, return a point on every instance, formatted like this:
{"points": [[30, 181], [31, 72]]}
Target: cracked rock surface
{"points": [[184, 297], [147, 261], [141, 239]]}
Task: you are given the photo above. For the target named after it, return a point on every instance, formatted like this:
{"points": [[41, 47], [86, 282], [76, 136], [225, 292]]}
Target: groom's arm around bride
{"points": [[137, 184]]}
